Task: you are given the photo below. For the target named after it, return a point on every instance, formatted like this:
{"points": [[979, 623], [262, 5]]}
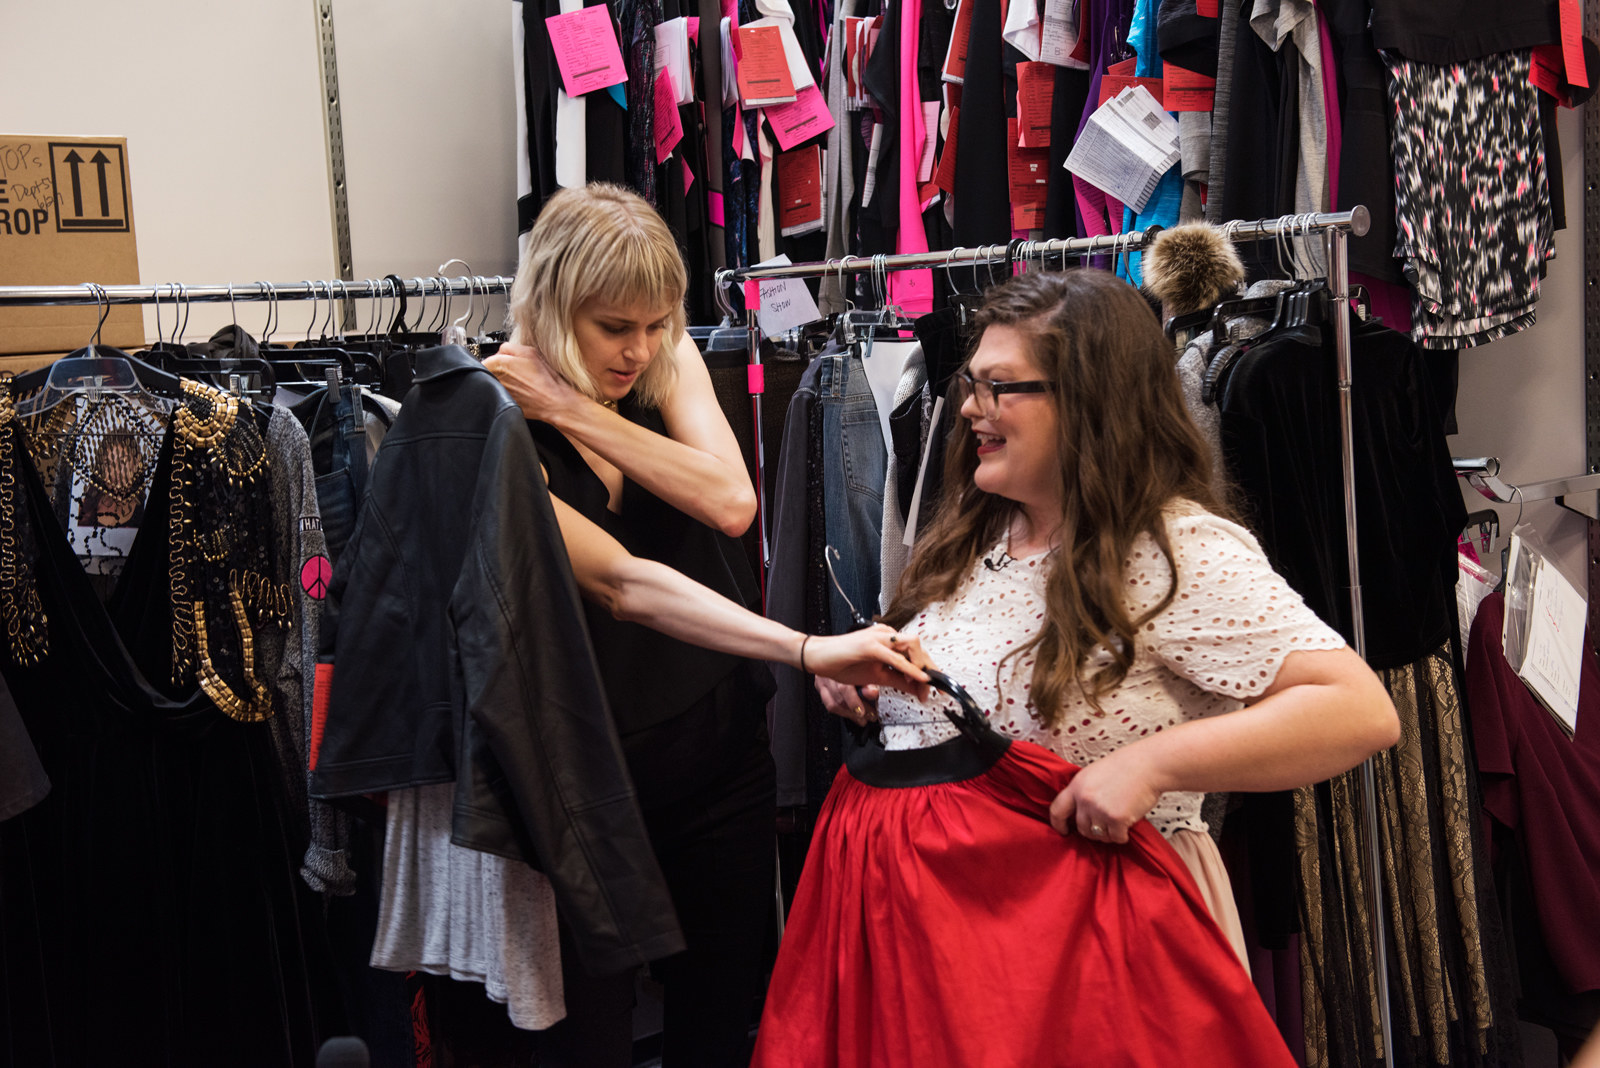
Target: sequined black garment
{"points": [[150, 907]]}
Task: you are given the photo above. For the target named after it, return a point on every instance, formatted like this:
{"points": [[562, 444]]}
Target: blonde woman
{"points": [[638, 453]]}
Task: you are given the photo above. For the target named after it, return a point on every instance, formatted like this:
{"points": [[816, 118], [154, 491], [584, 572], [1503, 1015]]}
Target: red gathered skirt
{"points": [[949, 924]]}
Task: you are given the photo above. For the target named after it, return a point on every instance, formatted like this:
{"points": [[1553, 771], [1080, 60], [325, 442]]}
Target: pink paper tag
{"points": [[688, 175], [752, 295], [669, 125], [756, 378], [714, 208], [806, 117], [694, 29], [585, 44]]}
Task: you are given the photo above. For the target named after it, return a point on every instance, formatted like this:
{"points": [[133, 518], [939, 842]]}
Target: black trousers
{"points": [[707, 785]]}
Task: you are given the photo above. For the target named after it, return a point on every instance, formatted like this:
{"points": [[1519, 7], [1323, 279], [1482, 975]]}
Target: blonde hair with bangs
{"points": [[598, 240]]}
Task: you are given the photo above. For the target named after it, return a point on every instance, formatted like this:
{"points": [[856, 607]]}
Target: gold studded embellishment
{"points": [[220, 534], [27, 631]]}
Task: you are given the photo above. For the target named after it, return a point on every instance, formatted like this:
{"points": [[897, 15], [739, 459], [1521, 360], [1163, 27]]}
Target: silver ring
{"points": [[1097, 830]]}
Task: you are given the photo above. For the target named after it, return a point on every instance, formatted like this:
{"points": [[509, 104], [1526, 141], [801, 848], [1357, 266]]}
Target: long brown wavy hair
{"points": [[1127, 449]]}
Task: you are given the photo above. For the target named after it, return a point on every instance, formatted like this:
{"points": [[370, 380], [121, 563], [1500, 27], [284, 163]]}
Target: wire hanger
{"points": [[456, 332]]}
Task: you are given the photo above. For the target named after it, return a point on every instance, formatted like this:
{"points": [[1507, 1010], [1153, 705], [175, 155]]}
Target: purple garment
{"points": [[1106, 24]]}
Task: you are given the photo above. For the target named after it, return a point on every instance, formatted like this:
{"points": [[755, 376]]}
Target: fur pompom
{"points": [[1190, 267]]}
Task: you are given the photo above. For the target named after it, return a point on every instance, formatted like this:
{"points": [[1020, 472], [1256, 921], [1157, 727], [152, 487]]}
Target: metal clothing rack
{"points": [[178, 294], [1335, 228]]}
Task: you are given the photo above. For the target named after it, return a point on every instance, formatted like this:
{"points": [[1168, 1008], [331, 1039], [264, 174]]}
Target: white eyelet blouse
{"points": [[1220, 642]]}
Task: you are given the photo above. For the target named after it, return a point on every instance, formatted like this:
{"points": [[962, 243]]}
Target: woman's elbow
{"points": [[1380, 723], [737, 512]]}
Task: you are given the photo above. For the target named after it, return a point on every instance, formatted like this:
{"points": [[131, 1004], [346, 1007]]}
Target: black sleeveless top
{"points": [[649, 677]]}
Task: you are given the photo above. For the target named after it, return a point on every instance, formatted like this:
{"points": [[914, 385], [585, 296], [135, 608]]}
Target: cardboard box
{"points": [[66, 217], [23, 363]]}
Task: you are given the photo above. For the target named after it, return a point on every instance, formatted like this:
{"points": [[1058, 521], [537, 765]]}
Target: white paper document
{"points": [[1058, 35], [1126, 146], [786, 303], [1554, 661], [672, 55]]}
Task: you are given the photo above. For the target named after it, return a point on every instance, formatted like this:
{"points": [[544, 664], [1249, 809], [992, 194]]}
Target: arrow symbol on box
{"points": [[77, 184], [99, 159]]}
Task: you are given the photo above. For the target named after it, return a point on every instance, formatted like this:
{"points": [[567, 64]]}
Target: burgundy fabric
{"points": [[949, 924], [1545, 787]]}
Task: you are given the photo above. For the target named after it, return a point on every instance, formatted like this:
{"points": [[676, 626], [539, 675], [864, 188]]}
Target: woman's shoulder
{"points": [[1191, 526]]}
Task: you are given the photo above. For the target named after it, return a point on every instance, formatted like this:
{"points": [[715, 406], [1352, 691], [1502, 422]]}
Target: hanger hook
{"points": [[183, 328], [461, 322], [422, 302], [269, 328], [483, 319], [311, 291], [155, 299], [830, 554], [102, 303], [233, 307], [847, 288]]}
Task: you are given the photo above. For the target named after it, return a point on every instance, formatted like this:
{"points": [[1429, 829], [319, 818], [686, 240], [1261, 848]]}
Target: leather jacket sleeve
{"points": [[532, 694]]}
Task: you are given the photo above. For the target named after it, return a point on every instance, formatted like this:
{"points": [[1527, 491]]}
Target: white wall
{"points": [[430, 128], [1522, 398], [221, 105]]}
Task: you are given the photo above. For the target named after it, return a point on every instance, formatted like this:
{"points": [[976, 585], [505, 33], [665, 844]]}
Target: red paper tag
{"points": [[1206, 8], [1123, 69], [1080, 51], [1035, 89], [955, 57], [945, 175], [1184, 90], [763, 73], [1111, 85], [800, 190], [1545, 73], [1572, 43], [322, 687], [1029, 170]]}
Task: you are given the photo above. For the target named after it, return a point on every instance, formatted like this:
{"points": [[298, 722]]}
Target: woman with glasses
{"points": [[987, 902]]}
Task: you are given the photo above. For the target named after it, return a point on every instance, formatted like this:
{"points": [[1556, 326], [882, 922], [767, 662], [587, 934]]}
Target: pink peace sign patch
{"points": [[314, 577]]}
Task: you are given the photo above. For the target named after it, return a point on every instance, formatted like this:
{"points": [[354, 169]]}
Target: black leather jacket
{"points": [[462, 655]]}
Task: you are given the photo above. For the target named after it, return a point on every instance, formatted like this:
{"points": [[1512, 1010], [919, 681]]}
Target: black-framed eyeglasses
{"points": [[988, 393]]}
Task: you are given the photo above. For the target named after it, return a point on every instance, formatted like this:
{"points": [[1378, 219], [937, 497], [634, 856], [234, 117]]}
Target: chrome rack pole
{"points": [[756, 379], [1356, 219], [1335, 243], [21, 296]]}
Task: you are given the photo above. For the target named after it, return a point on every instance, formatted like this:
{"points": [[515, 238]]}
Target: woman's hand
{"points": [[859, 704], [864, 658], [537, 389], [1107, 797]]}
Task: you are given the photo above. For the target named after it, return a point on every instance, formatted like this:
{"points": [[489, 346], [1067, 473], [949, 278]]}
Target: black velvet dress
{"points": [[150, 912]]}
